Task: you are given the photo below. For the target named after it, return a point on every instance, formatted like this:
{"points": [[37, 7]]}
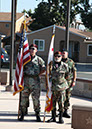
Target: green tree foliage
{"points": [[29, 12], [86, 15], [87, 20], [24, 11], [54, 12], [42, 16]]}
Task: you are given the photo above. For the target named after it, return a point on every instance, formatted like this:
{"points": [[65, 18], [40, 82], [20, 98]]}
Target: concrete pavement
{"points": [[9, 108]]}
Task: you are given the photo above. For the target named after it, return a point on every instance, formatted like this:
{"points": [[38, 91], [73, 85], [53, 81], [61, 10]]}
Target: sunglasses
{"points": [[57, 56], [32, 48]]}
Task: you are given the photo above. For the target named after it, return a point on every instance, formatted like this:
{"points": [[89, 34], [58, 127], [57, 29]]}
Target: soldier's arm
{"points": [[74, 75], [42, 66]]}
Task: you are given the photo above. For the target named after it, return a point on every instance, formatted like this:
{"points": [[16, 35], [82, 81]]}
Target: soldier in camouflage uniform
{"points": [[71, 79], [59, 85], [32, 71]]}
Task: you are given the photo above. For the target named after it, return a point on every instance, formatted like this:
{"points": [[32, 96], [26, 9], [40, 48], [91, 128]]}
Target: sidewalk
{"points": [[9, 108]]}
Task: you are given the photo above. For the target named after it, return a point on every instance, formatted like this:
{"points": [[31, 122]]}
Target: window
{"points": [[7, 25], [89, 50], [76, 47], [40, 43]]}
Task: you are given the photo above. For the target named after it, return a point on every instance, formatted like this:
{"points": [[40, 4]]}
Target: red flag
{"points": [[23, 57]]}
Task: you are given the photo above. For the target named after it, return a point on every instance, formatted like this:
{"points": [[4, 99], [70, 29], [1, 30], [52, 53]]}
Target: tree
{"points": [[86, 15], [54, 12], [29, 12], [42, 16], [24, 11]]}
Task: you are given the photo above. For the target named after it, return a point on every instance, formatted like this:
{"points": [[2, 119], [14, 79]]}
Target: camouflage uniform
{"points": [[59, 85], [69, 79], [32, 83]]}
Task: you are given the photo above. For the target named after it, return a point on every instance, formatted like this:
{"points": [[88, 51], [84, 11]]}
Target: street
{"points": [[9, 110]]}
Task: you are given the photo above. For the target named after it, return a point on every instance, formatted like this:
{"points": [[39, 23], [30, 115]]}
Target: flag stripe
{"points": [[22, 58]]}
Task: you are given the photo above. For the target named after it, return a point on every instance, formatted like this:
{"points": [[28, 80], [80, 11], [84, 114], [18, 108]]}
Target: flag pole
{"points": [[23, 27], [19, 108], [50, 62], [24, 30]]}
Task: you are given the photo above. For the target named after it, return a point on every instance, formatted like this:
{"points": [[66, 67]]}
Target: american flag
{"points": [[23, 58]]}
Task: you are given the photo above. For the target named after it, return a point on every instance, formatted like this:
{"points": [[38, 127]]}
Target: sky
{"points": [[5, 5]]}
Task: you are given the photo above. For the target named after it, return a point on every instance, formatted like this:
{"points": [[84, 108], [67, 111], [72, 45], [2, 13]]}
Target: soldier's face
{"points": [[33, 51], [58, 58], [65, 54]]}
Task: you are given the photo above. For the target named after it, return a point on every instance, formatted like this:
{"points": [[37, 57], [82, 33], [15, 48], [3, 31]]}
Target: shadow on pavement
{"points": [[10, 114]]}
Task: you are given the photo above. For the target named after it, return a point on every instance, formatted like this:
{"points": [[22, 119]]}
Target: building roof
{"points": [[81, 33], [6, 16]]}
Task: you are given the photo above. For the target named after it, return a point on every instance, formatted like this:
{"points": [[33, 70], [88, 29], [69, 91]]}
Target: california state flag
{"points": [[48, 106]]}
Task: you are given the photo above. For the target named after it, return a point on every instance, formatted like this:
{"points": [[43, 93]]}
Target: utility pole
{"points": [[67, 26], [14, 29], [12, 43]]}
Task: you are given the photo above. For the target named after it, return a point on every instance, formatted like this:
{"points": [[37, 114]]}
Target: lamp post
{"points": [[67, 26], [12, 41]]}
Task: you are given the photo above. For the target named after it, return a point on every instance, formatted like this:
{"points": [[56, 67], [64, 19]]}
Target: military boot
{"points": [[21, 117], [38, 117], [60, 118], [53, 118], [26, 112], [65, 114]]}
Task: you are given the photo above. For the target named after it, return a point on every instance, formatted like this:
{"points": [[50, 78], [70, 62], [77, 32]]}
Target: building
{"points": [[80, 42], [5, 29], [5, 22]]}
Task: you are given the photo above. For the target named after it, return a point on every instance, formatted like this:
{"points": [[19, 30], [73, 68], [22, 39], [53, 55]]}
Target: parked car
{"points": [[5, 60], [8, 49]]}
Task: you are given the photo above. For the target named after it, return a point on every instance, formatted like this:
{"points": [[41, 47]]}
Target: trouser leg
{"points": [[24, 103], [61, 99], [36, 103], [53, 112], [67, 103]]}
